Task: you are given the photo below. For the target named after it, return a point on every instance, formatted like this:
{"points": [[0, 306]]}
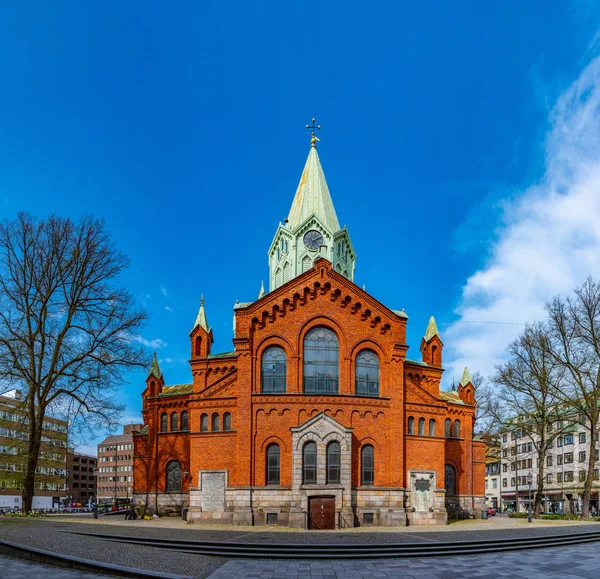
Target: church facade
{"points": [[317, 419]]}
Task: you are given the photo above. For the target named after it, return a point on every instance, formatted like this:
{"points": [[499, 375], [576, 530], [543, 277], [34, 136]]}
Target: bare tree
{"points": [[527, 392], [67, 329], [575, 339], [488, 412]]}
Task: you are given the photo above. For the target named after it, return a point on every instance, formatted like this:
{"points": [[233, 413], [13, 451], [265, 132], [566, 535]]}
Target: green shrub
{"points": [[558, 517], [517, 515]]}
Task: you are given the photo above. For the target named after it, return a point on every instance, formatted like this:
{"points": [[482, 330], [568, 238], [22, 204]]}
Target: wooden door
{"points": [[321, 512]]}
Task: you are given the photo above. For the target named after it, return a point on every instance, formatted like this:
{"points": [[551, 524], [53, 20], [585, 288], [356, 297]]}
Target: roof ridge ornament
{"points": [[313, 138]]}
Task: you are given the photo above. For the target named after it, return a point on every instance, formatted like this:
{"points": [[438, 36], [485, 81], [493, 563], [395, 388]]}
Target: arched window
{"points": [[367, 465], [450, 479], [447, 428], [184, 421], [411, 425], [321, 362], [421, 427], [367, 373], [215, 422], [226, 421], [334, 463], [174, 426], [457, 429], [198, 347], [434, 356], [204, 423], [431, 427], [309, 464], [273, 373], [164, 423], [273, 458], [174, 476]]}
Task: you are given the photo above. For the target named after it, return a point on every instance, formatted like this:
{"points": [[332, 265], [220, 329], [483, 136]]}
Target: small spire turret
{"points": [[154, 368], [466, 377], [262, 293]]}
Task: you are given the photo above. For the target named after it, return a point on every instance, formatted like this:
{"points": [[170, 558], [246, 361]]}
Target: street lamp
{"points": [[529, 480]]}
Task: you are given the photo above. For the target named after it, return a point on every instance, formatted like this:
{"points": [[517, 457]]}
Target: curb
{"points": [[69, 561]]}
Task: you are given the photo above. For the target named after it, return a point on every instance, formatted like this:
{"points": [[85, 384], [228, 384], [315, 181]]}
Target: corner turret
{"points": [[155, 380], [201, 336], [432, 345], [466, 390]]}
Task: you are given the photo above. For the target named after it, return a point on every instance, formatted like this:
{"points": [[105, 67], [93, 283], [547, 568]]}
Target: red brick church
{"points": [[316, 419]]}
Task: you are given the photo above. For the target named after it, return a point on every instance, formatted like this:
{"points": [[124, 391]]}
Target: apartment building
{"points": [[115, 466], [492, 473], [566, 464], [81, 480], [51, 472]]}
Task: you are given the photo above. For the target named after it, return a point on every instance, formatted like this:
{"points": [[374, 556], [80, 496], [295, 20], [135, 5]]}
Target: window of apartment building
{"points": [[504, 482], [559, 459], [568, 476], [513, 435], [582, 475], [568, 439], [504, 452], [550, 444], [529, 463], [582, 438], [504, 467], [549, 460], [529, 446], [549, 478], [568, 457], [559, 424], [519, 433], [486, 485], [596, 454], [582, 456], [512, 481], [559, 441], [596, 474], [513, 451], [559, 477], [494, 483], [505, 437], [513, 466]]}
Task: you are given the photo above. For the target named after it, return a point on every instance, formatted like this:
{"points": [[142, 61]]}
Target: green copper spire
{"points": [[432, 329], [154, 369], [262, 293], [466, 377], [201, 317]]}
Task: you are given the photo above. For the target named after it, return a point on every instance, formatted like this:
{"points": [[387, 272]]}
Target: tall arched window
{"points": [[215, 422], [184, 421], [431, 427], [411, 425], [334, 463], [367, 373], [273, 465], [421, 427], [204, 423], [321, 362], [174, 425], [457, 429], [227, 421], [447, 428], [198, 347], [174, 476], [367, 465], [309, 464], [273, 374], [164, 423]]}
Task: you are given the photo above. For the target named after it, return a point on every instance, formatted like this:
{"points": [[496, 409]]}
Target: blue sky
{"points": [[459, 142]]}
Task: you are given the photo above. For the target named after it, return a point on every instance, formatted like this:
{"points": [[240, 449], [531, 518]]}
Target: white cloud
{"points": [[549, 239], [155, 344], [169, 309], [163, 290]]}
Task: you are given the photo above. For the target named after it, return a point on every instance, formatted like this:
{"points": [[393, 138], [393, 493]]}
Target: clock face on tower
{"points": [[313, 239]]}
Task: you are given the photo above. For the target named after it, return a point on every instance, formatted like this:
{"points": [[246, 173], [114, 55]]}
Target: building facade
{"points": [[565, 468], [492, 473], [115, 466], [51, 472], [81, 480], [317, 418]]}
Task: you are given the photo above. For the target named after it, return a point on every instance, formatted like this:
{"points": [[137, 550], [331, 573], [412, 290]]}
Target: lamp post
{"points": [[529, 480], [115, 477]]}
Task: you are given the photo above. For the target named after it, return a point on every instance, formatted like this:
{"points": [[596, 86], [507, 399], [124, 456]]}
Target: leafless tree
{"points": [[488, 412], [575, 344], [67, 328], [527, 393]]}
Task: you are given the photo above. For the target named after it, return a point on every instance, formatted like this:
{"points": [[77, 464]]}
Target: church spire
{"points": [[262, 293], [466, 377], [312, 196], [201, 317], [154, 369], [432, 330]]}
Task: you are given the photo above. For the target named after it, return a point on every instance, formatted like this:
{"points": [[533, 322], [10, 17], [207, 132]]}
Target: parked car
{"points": [[491, 512]]}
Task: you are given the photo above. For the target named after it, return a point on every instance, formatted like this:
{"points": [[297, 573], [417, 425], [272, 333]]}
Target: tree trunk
{"points": [[587, 489], [33, 452], [539, 494]]}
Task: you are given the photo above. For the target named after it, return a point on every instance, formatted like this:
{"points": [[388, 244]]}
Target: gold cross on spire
{"points": [[313, 139]]}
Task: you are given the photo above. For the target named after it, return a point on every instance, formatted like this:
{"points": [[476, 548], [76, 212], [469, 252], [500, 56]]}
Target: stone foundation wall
{"points": [[169, 504]]}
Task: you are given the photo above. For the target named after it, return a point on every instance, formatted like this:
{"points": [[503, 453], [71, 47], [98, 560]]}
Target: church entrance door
{"points": [[321, 513]]}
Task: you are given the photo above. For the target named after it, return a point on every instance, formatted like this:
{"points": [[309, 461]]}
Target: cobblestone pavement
{"points": [[18, 569], [564, 562]]}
